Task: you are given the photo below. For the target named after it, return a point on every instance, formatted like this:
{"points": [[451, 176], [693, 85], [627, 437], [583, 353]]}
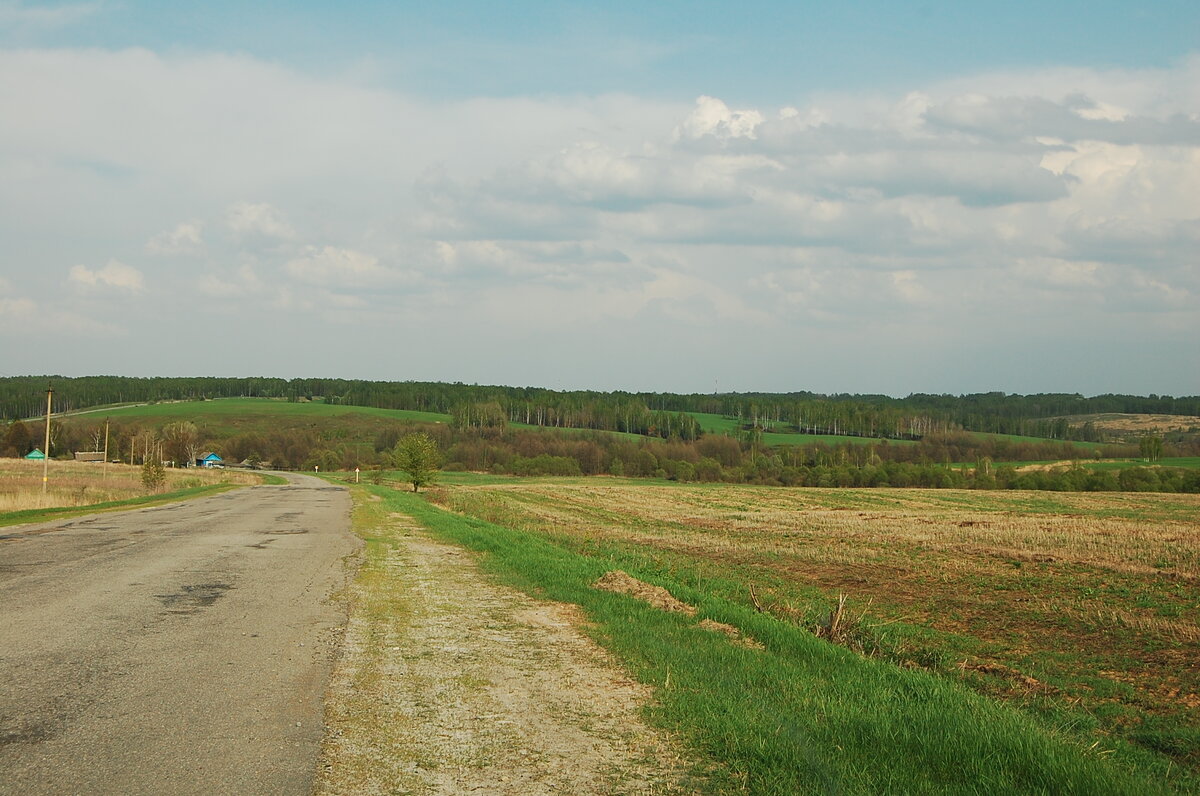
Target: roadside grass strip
{"points": [[800, 715]]}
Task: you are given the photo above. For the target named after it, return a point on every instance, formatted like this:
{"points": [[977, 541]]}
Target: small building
{"points": [[89, 456], [35, 454], [209, 459]]}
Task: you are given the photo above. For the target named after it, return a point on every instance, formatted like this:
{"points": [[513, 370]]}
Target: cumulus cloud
{"points": [[14, 310], [185, 238], [330, 266], [712, 117], [1064, 193], [261, 219], [114, 275], [241, 283]]}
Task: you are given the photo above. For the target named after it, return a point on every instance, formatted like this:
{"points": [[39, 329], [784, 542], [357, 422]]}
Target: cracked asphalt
{"points": [[173, 650]]}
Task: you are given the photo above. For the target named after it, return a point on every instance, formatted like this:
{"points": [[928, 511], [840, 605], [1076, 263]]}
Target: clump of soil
{"points": [[735, 635], [1007, 672], [623, 583]]}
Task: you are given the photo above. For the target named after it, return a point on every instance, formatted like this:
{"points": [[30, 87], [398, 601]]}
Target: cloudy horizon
{"points": [[177, 201]]}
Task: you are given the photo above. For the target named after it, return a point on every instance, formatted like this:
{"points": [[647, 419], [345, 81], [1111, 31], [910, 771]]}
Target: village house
{"points": [[209, 459]]}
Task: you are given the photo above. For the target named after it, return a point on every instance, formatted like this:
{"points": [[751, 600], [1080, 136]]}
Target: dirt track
{"points": [[177, 649], [452, 684]]}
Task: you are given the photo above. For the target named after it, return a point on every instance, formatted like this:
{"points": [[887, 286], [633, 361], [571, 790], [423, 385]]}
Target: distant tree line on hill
{"points": [[956, 459], [648, 414]]}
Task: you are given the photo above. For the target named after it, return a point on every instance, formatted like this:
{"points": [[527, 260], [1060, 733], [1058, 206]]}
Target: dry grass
{"points": [[1140, 424], [1142, 534], [73, 484], [1088, 592]]}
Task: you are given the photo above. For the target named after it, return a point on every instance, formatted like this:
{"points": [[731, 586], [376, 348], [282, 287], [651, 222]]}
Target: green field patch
{"points": [[719, 424], [1087, 446], [241, 412]]}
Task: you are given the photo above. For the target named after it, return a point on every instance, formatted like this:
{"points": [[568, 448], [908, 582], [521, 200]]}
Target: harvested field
{"points": [[1136, 425], [1084, 604], [73, 484]]}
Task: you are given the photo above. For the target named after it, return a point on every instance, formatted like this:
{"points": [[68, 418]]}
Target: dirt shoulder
{"points": [[451, 684]]}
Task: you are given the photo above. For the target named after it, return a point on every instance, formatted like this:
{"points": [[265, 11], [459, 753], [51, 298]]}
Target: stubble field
{"points": [[81, 484], [1081, 609]]}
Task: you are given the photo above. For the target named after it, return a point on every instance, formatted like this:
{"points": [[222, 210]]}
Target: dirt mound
{"points": [[622, 583], [735, 635]]}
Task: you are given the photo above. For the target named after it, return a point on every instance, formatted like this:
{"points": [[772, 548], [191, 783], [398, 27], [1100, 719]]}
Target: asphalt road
{"points": [[177, 649]]}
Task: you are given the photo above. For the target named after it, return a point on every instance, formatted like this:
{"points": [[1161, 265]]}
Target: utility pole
{"points": [[105, 470], [46, 459]]}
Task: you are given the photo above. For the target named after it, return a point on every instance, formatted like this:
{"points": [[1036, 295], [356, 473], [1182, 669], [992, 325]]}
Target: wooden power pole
{"points": [[105, 462], [46, 452]]}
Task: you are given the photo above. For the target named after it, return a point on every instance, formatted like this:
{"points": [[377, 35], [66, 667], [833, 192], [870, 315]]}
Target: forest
{"points": [[649, 414], [356, 439]]}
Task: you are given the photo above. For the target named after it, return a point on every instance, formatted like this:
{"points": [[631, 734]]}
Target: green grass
{"points": [[45, 515], [1089, 446], [802, 715], [1189, 462], [244, 409], [719, 424]]}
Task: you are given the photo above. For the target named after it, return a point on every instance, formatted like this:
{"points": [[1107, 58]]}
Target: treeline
{"points": [[956, 460], [649, 414]]}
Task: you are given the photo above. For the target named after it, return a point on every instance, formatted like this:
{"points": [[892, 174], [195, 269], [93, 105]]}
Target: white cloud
{"points": [[15, 14], [1066, 193], [330, 266], [185, 238], [15, 311], [240, 284], [712, 117], [114, 274], [247, 218]]}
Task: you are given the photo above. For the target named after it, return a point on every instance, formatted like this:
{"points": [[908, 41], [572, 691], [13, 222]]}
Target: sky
{"points": [[865, 197]]}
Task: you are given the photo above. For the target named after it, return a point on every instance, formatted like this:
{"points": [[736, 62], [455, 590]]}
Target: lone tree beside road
{"points": [[417, 455], [153, 475]]}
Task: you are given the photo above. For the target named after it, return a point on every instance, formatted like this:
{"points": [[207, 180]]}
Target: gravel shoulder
{"points": [[451, 684]]}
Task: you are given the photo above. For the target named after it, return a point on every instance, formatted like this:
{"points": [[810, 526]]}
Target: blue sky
{"points": [[862, 197], [748, 51]]}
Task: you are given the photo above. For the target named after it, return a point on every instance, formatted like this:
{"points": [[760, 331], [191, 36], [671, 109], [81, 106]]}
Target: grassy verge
{"points": [[45, 515], [800, 715]]}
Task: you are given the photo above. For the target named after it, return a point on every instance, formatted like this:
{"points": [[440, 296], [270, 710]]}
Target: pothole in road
{"points": [[285, 532], [38, 733], [190, 599]]}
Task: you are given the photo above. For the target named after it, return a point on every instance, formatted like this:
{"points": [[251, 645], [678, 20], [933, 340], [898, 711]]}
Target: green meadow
{"points": [[719, 424], [264, 414]]}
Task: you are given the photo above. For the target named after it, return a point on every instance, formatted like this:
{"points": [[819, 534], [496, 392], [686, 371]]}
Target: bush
{"points": [[153, 475]]}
